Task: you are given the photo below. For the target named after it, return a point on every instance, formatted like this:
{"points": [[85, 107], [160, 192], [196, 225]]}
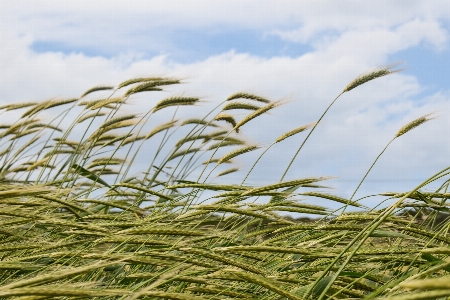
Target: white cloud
{"points": [[134, 23]]}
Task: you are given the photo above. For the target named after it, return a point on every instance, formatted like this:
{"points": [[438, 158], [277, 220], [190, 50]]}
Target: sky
{"points": [[303, 51]]}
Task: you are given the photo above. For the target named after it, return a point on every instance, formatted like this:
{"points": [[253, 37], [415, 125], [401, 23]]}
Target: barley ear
{"points": [[248, 96], [175, 101], [237, 152], [413, 124], [150, 86], [228, 171], [137, 80], [257, 113], [161, 128], [198, 121], [106, 102], [18, 105], [227, 118], [293, 132], [117, 120], [240, 105], [184, 153], [95, 89], [46, 105], [370, 75], [88, 116]]}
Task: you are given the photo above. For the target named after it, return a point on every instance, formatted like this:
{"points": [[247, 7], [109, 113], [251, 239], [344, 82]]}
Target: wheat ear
{"points": [[257, 113], [248, 96], [175, 101], [371, 75], [413, 124], [95, 89]]}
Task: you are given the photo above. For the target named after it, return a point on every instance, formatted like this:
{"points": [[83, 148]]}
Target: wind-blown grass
{"points": [[75, 224]]}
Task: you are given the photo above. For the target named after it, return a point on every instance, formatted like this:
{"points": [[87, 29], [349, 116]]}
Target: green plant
{"points": [[80, 216]]}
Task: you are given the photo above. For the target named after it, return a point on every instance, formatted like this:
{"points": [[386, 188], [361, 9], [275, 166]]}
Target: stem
{"points": [[367, 173], [310, 132], [251, 169]]}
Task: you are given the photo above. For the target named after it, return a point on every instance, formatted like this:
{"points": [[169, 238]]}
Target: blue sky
{"points": [[306, 51], [184, 46]]}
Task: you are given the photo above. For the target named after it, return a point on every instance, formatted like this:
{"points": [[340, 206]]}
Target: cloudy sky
{"points": [[302, 51]]}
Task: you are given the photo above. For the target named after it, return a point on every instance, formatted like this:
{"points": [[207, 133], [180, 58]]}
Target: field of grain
{"points": [[81, 215]]}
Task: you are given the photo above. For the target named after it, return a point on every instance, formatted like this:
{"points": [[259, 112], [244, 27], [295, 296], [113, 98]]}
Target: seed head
{"points": [[413, 124], [370, 75]]}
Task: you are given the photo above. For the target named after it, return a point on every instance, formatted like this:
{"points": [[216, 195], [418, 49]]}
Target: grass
{"points": [[74, 222]]}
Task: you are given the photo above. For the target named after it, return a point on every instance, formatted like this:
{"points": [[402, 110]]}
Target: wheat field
{"points": [[82, 215]]}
